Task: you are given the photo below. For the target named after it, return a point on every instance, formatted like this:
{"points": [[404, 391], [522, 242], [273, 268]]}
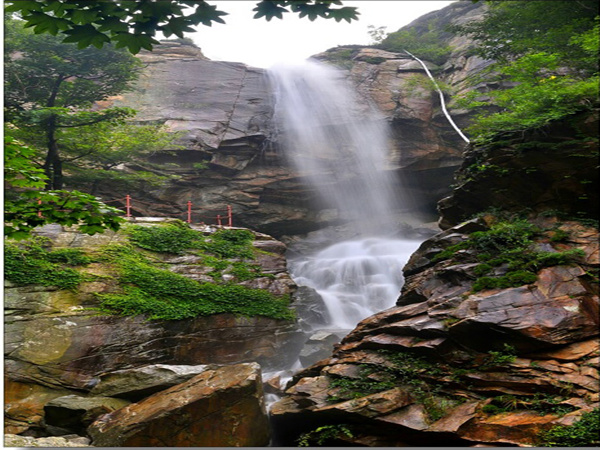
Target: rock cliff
{"points": [[224, 111]]}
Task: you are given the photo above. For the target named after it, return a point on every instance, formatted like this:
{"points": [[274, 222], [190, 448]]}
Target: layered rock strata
{"points": [[451, 365]]}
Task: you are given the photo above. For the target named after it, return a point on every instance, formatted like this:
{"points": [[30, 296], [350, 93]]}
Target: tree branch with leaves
{"points": [[134, 24]]}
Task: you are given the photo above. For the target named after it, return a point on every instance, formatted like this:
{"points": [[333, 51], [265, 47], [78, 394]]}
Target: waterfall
{"points": [[441, 94], [334, 141], [340, 145]]}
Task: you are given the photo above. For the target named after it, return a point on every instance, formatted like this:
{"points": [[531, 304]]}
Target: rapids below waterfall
{"points": [[356, 279], [338, 144]]}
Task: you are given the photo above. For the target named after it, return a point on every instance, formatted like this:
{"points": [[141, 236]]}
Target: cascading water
{"points": [[355, 278], [340, 146]]}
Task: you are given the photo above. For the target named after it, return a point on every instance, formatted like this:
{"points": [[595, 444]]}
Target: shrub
{"points": [[584, 433], [30, 263]]}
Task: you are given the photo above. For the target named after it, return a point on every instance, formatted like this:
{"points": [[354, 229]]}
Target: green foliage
{"points": [[51, 86], [243, 271], [512, 279], [159, 294], [25, 207], [349, 388], [23, 213], [149, 289], [503, 235], [30, 263], [322, 435], [410, 370], [426, 45], [93, 152], [374, 60], [548, 51], [500, 358], [423, 82], [48, 73], [512, 29], [69, 256], [509, 245], [176, 238], [230, 244], [19, 171], [168, 238], [583, 433], [134, 24]]}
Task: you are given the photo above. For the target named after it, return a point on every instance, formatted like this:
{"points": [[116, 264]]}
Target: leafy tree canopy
{"points": [[514, 28], [133, 24], [51, 86], [26, 207], [547, 50]]}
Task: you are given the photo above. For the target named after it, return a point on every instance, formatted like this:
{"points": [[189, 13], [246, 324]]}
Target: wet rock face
{"points": [[57, 345], [222, 407], [521, 175], [451, 365]]}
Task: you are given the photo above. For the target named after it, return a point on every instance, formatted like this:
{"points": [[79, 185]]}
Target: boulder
{"points": [[139, 382], [221, 407], [75, 413], [13, 440]]}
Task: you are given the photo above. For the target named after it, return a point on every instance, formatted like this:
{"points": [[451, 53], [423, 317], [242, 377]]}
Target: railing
{"points": [[219, 219]]}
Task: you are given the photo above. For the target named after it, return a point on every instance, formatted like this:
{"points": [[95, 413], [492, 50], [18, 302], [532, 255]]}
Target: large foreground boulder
{"points": [[139, 382], [222, 407]]}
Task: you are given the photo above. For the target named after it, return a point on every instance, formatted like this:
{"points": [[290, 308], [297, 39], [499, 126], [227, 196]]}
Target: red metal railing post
{"points": [[218, 219], [229, 216], [189, 211], [127, 206]]}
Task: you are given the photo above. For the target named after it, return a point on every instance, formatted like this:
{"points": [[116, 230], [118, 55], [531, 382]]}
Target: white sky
{"points": [[259, 43]]}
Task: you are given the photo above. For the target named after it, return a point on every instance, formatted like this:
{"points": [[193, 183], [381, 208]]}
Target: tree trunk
{"points": [[53, 163]]}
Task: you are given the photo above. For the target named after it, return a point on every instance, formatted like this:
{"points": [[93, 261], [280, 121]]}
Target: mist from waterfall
{"points": [[340, 145]]}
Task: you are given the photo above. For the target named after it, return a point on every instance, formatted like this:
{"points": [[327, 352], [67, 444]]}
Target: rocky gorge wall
{"points": [[490, 343], [224, 111], [450, 364]]}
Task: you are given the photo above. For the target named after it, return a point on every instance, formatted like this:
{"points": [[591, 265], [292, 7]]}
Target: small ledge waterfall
{"points": [[340, 146]]}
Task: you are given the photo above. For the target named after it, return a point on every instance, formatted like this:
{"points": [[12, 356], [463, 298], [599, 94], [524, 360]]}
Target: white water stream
{"points": [[340, 145]]}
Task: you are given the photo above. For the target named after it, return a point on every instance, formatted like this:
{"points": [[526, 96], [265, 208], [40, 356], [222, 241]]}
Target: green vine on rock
{"points": [[583, 433], [30, 262], [151, 290]]}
